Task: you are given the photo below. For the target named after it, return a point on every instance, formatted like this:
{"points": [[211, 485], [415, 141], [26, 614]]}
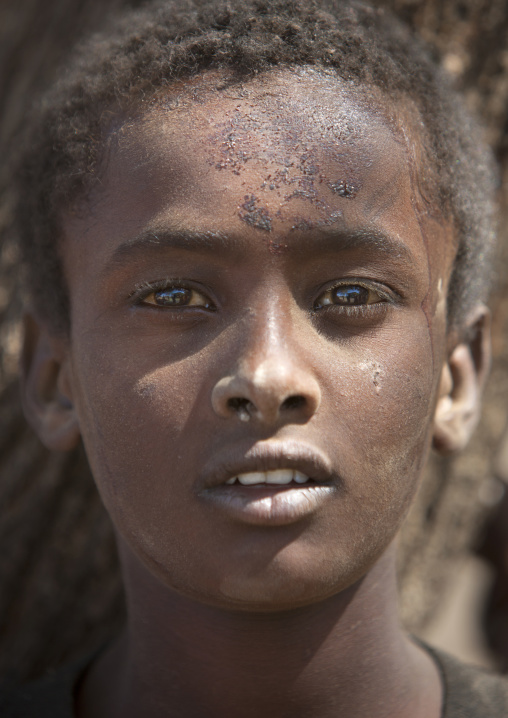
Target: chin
{"points": [[278, 587]]}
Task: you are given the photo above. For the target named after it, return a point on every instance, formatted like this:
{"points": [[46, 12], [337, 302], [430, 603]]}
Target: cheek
{"points": [[383, 405], [393, 414], [133, 422], [135, 427]]}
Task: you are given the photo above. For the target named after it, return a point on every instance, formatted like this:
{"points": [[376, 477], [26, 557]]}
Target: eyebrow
{"points": [[325, 240]]}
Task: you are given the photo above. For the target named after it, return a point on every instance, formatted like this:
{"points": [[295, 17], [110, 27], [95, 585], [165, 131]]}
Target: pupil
{"points": [[351, 295], [172, 297]]}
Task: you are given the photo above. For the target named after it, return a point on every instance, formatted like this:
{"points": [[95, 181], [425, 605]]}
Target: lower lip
{"points": [[265, 505]]}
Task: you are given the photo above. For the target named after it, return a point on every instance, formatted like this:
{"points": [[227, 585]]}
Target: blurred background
{"points": [[60, 590]]}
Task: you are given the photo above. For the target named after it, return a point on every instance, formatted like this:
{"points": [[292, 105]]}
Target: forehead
{"points": [[290, 127], [281, 154], [280, 118]]}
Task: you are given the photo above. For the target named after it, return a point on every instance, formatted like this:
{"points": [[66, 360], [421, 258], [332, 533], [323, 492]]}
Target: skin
{"points": [[261, 199]]}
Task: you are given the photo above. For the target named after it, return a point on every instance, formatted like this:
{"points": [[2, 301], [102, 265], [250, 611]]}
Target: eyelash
{"points": [[143, 291], [361, 310]]}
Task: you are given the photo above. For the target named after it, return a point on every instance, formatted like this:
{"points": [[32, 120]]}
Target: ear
{"points": [[46, 387], [462, 380]]}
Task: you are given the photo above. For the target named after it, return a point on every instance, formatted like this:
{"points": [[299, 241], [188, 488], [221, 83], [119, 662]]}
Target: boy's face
{"points": [[258, 285]]}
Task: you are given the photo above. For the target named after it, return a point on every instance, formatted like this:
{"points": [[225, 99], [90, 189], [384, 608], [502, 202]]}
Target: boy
{"points": [[256, 239]]}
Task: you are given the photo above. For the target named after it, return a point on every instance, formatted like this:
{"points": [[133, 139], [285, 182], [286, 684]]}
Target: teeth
{"points": [[254, 477], [279, 476], [300, 478]]}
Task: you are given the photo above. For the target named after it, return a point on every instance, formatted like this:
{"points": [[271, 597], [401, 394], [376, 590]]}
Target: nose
{"points": [[270, 386]]}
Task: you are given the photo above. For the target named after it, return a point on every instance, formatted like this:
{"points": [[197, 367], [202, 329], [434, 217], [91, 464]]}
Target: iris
{"points": [[350, 295], [173, 297]]}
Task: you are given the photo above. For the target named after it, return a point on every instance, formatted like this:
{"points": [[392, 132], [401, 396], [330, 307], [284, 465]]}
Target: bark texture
{"points": [[60, 588]]}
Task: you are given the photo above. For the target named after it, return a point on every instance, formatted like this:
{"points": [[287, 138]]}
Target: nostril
{"points": [[243, 407], [293, 402]]}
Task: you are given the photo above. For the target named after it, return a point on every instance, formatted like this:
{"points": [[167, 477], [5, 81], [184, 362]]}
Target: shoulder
{"points": [[471, 692], [49, 697]]}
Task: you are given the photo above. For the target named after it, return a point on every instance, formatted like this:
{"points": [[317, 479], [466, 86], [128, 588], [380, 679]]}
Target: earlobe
{"points": [[46, 387], [462, 380]]}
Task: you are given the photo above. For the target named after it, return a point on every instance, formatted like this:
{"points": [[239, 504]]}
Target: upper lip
{"points": [[267, 456]]}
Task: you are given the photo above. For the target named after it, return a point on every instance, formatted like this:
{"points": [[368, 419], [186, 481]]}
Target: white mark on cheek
{"points": [[375, 370], [146, 389]]}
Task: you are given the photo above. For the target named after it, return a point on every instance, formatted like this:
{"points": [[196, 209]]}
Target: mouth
{"points": [[278, 477], [271, 484]]}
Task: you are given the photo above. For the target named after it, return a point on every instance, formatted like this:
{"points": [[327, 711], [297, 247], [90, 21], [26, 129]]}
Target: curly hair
{"points": [[144, 50]]}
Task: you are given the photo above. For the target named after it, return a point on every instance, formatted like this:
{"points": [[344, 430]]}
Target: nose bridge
{"points": [[272, 376], [267, 346]]}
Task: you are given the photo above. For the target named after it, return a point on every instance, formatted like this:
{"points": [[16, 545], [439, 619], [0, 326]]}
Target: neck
{"points": [[346, 656]]}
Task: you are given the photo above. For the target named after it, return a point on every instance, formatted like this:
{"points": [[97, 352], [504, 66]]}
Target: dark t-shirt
{"points": [[468, 692]]}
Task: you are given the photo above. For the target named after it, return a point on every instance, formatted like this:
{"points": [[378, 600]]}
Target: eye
{"points": [[172, 295], [350, 295]]}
